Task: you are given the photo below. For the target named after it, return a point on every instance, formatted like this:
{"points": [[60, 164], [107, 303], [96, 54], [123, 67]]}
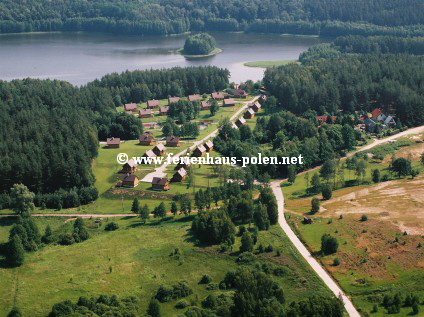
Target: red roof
{"points": [[376, 112], [113, 140]]}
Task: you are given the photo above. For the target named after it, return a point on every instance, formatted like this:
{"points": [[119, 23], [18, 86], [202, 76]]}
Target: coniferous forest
{"points": [[159, 17]]}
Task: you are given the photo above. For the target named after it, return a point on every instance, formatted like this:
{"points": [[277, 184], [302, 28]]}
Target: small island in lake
{"points": [[199, 45]]}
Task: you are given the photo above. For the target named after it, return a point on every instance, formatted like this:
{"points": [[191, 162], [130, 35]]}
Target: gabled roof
{"points": [[172, 139], [144, 112], [388, 120], [182, 172], [152, 103], [240, 92], [229, 101], [217, 95], [163, 109], [375, 113], [173, 99], [131, 163], [251, 111], [129, 178], [193, 97], [112, 140], [209, 144], [159, 180], [205, 104], [147, 137], [160, 147], [201, 148], [130, 106], [150, 153], [257, 105], [241, 120]]}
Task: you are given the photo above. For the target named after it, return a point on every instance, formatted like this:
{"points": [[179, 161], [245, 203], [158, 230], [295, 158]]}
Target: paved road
{"points": [[325, 277], [160, 171]]}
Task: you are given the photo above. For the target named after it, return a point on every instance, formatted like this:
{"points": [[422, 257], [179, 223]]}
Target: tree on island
{"points": [[199, 44]]}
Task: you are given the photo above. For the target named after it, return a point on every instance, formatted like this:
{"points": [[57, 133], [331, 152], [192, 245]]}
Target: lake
{"points": [[82, 57]]}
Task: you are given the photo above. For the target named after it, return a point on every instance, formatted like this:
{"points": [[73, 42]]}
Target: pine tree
{"points": [[135, 208], [144, 213], [154, 308], [174, 208], [16, 254]]}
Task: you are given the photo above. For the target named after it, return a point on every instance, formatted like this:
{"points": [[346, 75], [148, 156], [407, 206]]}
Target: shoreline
{"points": [[215, 51]]}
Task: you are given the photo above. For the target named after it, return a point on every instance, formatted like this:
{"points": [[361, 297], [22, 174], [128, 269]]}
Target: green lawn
{"points": [[140, 259]]}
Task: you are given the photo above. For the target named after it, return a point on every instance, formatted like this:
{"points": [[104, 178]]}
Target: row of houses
{"points": [[249, 114], [219, 96], [377, 116]]}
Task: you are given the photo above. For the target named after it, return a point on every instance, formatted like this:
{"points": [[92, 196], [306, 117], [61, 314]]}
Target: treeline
{"points": [[142, 85], [162, 17], [349, 83], [25, 237], [364, 45], [380, 44]]}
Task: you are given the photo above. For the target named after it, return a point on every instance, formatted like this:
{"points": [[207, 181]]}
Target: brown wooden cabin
{"points": [[145, 113], [205, 105], [240, 122], [184, 163], [179, 175], [160, 183], [217, 96], [173, 141], [249, 114], [230, 102], [240, 93], [146, 139], [208, 146], [173, 100], [159, 149], [149, 153], [199, 150], [256, 107], [151, 104], [129, 168], [130, 180], [130, 106], [163, 111], [113, 142], [193, 98]]}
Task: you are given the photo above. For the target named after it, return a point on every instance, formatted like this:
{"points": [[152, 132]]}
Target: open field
{"points": [[266, 64], [140, 259], [381, 255]]}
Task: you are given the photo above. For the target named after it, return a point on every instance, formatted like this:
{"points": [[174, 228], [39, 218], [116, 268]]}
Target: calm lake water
{"points": [[81, 57]]}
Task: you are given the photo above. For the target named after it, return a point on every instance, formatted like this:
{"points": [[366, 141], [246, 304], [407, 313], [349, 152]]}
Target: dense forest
{"points": [[177, 16], [349, 83], [139, 86], [50, 129]]}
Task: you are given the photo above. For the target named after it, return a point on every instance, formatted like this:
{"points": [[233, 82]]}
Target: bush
{"points": [[336, 262], [329, 244], [167, 293], [111, 226], [314, 205], [66, 239], [364, 217], [181, 304], [206, 279], [326, 192]]}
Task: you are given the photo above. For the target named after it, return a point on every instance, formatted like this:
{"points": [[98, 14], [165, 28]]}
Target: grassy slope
{"points": [[140, 261]]}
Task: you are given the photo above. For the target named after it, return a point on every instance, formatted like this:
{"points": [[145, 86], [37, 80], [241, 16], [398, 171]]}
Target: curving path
{"points": [[325, 277]]}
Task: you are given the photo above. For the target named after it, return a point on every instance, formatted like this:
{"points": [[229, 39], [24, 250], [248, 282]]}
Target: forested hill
{"points": [[177, 16]]}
